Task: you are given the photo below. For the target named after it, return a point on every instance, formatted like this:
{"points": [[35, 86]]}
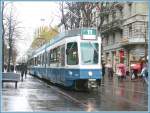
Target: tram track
{"points": [[67, 96]]}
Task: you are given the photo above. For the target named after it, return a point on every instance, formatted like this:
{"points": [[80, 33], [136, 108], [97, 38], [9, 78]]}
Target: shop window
{"points": [[113, 41]]}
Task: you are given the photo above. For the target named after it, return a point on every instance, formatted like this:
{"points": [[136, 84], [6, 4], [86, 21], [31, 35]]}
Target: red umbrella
{"points": [[136, 66], [120, 65]]}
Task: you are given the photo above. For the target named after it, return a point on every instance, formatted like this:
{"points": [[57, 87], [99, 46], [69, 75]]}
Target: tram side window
{"points": [[43, 59], [38, 60], [32, 62], [55, 55], [62, 60], [51, 56], [72, 53], [35, 61]]}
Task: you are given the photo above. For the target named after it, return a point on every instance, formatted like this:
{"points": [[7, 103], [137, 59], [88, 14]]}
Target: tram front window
{"points": [[89, 53], [72, 53]]}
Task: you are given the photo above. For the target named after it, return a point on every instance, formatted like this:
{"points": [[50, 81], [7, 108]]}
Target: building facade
{"points": [[124, 31], [124, 34]]}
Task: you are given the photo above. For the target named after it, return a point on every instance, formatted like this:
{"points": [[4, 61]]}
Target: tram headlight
{"points": [[90, 73], [70, 72]]}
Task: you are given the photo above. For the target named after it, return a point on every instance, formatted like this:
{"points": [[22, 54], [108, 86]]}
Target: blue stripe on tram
{"points": [[66, 76]]}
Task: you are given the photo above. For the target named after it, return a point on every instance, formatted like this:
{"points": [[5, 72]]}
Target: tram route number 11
{"points": [[88, 34]]}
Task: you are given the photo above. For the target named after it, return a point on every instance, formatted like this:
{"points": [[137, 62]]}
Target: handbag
{"points": [[133, 76]]}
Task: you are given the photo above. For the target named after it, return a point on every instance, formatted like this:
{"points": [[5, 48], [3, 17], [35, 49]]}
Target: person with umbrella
{"points": [[135, 68], [121, 71], [144, 72]]}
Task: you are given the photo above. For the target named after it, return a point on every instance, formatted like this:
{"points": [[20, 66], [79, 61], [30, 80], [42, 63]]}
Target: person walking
{"points": [[12, 68], [5, 67], [25, 70], [144, 72], [135, 69], [110, 69], [22, 69], [103, 69], [121, 71]]}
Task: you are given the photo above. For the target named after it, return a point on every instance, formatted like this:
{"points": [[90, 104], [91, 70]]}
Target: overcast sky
{"points": [[33, 15]]}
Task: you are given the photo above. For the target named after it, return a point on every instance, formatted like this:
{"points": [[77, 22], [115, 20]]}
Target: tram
{"points": [[71, 59]]}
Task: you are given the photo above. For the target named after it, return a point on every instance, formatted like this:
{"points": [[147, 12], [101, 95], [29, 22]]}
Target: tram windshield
{"points": [[89, 53]]}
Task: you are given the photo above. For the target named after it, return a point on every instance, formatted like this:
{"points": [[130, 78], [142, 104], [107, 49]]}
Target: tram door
{"points": [[62, 61]]}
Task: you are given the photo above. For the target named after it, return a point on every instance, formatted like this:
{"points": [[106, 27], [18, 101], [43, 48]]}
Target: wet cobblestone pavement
{"points": [[35, 95]]}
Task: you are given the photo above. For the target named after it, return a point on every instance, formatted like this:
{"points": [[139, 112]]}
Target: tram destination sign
{"points": [[88, 34]]}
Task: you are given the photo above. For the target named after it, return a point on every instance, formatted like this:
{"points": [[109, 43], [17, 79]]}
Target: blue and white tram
{"points": [[71, 59]]}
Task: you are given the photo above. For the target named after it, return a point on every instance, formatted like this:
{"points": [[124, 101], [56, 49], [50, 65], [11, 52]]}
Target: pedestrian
{"points": [[135, 68], [12, 68], [144, 72], [5, 67], [127, 71], [110, 69], [121, 71], [22, 71], [103, 69], [25, 69]]}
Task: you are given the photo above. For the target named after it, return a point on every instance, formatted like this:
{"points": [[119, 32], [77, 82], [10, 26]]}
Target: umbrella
{"points": [[120, 65], [135, 66]]}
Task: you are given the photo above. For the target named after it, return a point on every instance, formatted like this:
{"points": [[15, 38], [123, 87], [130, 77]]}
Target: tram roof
{"points": [[60, 36]]}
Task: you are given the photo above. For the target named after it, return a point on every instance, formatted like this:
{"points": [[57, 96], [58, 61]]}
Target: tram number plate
{"points": [[88, 34]]}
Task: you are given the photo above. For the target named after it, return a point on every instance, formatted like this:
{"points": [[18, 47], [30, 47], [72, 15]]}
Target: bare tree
{"points": [[64, 16], [80, 14], [3, 32], [10, 26]]}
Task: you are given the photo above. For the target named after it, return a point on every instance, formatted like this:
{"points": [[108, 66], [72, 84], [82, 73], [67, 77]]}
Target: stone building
{"points": [[124, 34]]}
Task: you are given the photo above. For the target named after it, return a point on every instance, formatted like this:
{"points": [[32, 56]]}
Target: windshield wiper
{"points": [[87, 61], [71, 47], [93, 47]]}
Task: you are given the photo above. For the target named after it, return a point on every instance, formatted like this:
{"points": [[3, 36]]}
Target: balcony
{"points": [[130, 41], [111, 46], [112, 26]]}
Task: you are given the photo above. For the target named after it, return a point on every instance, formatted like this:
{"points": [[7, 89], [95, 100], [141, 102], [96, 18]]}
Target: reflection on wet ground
{"points": [[113, 95]]}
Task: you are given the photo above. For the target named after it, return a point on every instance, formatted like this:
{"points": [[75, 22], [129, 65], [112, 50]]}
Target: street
{"points": [[34, 94], [67, 47]]}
